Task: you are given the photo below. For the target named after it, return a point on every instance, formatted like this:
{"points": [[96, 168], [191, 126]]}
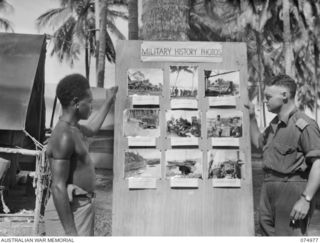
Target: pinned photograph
{"points": [[144, 81], [183, 81], [141, 123], [183, 124], [182, 163], [224, 167], [224, 123], [222, 83], [142, 163]]}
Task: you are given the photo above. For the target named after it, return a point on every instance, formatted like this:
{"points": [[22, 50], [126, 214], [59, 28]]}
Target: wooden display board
{"points": [[179, 170]]}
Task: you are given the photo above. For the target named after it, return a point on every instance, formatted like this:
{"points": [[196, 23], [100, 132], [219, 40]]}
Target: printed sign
{"points": [[181, 51]]}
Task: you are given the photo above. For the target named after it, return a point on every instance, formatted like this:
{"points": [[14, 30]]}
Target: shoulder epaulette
{"points": [[301, 123]]}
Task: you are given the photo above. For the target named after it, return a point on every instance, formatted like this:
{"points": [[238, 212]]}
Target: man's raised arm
{"points": [[96, 121]]}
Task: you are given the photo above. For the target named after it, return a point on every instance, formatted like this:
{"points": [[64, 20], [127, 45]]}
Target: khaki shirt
{"points": [[290, 145]]}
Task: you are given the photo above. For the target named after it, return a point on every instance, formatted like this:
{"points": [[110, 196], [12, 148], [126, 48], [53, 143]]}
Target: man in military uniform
{"points": [[291, 161]]}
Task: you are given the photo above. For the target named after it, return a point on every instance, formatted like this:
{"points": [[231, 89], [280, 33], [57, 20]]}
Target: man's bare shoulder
{"points": [[61, 143]]}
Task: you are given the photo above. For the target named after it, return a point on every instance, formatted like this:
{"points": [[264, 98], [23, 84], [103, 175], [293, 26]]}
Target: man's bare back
{"points": [[81, 170]]}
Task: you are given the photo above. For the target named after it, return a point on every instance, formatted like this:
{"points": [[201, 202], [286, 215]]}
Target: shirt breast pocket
{"points": [[286, 154]]}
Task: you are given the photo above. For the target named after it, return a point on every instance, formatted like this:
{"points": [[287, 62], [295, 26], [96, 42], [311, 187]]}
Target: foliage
{"points": [[260, 25], [165, 20], [5, 24], [74, 28]]}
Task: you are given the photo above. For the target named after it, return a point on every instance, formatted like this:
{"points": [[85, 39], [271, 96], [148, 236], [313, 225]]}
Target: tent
{"points": [[22, 107]]}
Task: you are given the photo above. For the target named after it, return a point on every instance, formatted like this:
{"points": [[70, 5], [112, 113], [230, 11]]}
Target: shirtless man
{"points": [[70, 209]]}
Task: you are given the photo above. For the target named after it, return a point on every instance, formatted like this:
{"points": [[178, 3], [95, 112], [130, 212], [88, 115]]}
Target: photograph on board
{"points": [[183, 81], [183, 123], [224, 167], [184, 163], [142, 163], [224, 123], [145, 81], [141, 123], [222, 83]]}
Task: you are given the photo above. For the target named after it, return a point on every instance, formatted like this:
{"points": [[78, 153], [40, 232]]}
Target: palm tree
{"points": [[102, 44], [133, 26], [74, 29], [261, 25], [165, 20], [5, 23]]}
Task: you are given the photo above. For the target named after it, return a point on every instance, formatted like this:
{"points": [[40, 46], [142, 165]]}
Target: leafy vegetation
{"points": [[260, 25], [5, 24]]}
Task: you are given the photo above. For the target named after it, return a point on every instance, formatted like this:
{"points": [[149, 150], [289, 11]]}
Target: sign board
{"points": [[182, 146], [181, 51]]}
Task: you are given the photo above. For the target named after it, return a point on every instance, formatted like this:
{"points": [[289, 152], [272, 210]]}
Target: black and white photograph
{"points": [[142, 163], [145, 81], [141, 123], [183, 81], [224, 167], [222, 83], [131, 118], [222, 123], [182, 163], [183, 123]]}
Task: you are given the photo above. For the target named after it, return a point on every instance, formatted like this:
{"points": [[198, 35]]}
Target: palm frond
{"points": [[118, 14], [110, 51], [113, 29], [6, 7], [6, 25], [53, 17], [64, 45]]}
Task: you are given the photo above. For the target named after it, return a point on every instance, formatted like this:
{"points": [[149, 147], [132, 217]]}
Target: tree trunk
{"points": [[316, 63], [287, 37], [87, 59], [102, 45], [260, 82], [133, 26], [97, 26], [165, 20]]}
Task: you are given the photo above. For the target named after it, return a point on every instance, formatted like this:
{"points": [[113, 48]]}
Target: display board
{"points": [[182, 159]]}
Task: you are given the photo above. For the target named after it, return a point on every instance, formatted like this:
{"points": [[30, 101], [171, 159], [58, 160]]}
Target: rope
{"points": [[41, 182], [35, 141]]}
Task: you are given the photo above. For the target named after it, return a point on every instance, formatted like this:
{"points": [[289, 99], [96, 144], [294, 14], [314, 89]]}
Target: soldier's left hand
{"points": [[300, 209]]}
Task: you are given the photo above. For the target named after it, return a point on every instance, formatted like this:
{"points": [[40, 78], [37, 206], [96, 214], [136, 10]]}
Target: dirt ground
{"points": [[20, 198]]}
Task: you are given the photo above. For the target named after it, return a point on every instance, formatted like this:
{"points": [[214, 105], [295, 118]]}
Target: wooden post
{"points": [[41, 169]]}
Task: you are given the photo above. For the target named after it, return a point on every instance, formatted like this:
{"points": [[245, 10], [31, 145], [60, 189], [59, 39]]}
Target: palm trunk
{"points": [[133, 20], [316, 63], [165, 20], [287, 37], [97, 24], [102, 45], [260, 82], [87, 60]]}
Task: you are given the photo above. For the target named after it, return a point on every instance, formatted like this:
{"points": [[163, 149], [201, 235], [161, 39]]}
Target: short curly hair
{"points": [[286, 81], [70, 87]]}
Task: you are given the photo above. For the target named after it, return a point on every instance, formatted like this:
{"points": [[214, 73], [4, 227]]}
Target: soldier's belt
{"points": [[271, 175]]}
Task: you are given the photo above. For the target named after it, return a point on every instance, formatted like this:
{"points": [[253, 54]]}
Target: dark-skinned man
{"points": [[70, 210]]}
